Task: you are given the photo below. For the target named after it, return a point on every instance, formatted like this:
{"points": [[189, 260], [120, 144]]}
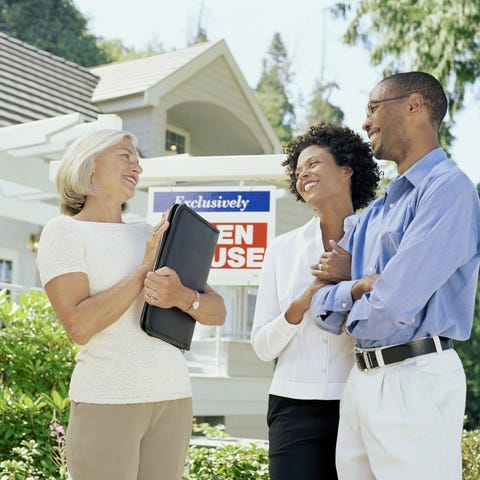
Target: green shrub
{"points": [[228, 462], [36, 362], [217, 459], [471, 454], [468, 352]]}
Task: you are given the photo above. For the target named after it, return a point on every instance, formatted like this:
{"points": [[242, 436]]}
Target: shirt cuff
{"points": [[360, 312], [283, 328], [343, 298]]}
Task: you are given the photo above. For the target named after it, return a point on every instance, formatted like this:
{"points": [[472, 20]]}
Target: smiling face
{"points": [[385, 123], [319, 179], [116, 170]]}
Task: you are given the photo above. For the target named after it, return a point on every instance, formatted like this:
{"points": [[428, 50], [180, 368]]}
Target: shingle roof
{"points": [[35, 84], [134, 76]]}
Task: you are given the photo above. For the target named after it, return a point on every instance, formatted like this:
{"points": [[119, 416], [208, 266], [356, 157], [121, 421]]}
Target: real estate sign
{"points": [[245, 217]]}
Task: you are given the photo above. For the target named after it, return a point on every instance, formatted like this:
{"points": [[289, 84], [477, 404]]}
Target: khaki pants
{"points": [[140, 441]]}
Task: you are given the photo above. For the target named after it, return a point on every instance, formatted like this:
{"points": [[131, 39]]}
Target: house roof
{"points": [[35, 84], [125, 78], [150, 81]]}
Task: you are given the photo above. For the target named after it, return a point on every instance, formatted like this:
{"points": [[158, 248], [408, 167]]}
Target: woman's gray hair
{"points": [[74, 178]]}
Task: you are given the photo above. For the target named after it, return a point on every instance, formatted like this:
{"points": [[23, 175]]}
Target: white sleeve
{"points": [[271, 333], [61, 250]]}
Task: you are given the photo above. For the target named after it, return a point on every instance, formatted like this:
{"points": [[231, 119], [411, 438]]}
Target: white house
{"points": [[198, 123]]}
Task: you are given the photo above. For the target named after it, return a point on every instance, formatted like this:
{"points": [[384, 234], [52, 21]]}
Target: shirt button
{"points": [[344, 305], [391, 205]]}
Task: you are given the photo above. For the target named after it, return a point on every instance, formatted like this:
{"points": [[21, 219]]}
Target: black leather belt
{"points": [[379, 357]]}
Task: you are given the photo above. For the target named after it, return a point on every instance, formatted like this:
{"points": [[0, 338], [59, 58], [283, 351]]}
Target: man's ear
{"points": [[415, 102]]}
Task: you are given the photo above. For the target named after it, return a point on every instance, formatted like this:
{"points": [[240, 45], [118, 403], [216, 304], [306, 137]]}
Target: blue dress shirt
{"points": [[423, 238]]}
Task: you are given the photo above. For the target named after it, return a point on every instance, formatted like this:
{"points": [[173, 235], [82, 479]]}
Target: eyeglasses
{"points": [[371, 104]]}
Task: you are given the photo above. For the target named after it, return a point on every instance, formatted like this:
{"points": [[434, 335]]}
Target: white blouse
{"points": [[312, 364]]}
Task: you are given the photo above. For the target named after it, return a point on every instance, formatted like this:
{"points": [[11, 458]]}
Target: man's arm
{"points": [[331, 303], [423, 262]]}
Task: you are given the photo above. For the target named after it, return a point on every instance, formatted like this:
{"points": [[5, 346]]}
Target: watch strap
{"points": [[195, 303]]}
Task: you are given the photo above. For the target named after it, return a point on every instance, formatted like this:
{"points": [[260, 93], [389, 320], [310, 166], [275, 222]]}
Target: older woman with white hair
{"points": [[131, 406]]}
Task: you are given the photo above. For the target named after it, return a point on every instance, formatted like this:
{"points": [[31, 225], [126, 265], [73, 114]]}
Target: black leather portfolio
{"points": [[187, 247]]}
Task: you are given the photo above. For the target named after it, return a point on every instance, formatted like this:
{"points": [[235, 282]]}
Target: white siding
{"points": [[217, 85], [139, 122]]}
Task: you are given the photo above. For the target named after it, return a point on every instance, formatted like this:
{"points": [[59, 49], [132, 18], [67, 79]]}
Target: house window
{"points": [[6, 273], [6, 269], [175, 142], [240, 304], [9, 261]]}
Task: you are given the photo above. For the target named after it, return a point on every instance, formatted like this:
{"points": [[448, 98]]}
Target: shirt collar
{"points": [[420, 169]]}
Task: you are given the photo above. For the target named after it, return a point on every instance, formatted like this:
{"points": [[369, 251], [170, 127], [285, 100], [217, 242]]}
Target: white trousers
{"points": [[403, 421]]}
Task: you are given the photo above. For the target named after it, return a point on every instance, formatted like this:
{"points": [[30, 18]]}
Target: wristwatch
{"points": [[196, 302]]}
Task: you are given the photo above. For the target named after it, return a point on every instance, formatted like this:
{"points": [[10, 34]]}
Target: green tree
{"points": [[319, 106], [116, 51], [468, 352], [200, 37], [200, 31], [437, 36], [273, 89], [56, 26]]}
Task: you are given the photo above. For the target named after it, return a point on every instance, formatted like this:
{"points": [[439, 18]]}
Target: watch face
{"points": [[196, 302]]}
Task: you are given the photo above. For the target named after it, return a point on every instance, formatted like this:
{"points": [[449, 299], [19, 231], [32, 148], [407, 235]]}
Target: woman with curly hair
{"points": [[331, 169]]}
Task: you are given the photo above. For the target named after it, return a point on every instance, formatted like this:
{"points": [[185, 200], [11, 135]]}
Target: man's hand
{"points": [[364, 285]]}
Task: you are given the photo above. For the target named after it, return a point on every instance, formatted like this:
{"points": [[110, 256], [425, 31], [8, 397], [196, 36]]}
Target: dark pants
{"points": [[302, 435]]}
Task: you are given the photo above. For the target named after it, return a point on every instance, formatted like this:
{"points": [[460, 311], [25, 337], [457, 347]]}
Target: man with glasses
{"points": [[414, 257]]}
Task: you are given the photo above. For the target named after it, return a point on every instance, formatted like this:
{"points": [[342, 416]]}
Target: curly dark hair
{"points": [[348, 149]]}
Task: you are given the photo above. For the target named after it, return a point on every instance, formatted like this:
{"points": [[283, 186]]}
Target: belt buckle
{"points": [[366, 359]]}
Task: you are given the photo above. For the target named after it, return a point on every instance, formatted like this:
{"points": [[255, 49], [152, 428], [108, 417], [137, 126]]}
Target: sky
{"points": [[312, 38]]}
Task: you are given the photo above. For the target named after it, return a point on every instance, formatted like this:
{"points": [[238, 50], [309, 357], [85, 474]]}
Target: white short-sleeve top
{"points": [[120, 364]]}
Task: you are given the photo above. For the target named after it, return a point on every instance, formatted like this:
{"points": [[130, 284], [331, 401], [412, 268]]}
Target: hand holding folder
{"points": [[187, 247]]}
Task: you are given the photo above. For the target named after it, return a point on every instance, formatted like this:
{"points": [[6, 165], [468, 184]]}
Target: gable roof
{"points": [[148, 79], [35, 84], [130, 77]]}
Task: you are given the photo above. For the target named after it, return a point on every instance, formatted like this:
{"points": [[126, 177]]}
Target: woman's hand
{"points": [[164, 289], [300, 305], [153, 242]]}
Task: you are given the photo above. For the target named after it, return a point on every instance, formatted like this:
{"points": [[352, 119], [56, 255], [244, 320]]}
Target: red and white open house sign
{"points": [[245, 217]]}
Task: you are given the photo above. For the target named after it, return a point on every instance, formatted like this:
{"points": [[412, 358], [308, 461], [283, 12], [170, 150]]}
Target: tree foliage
{"points": [[199, 33], [36, 361], [320, 108], [56, 26], [437, 36], [273, 89], [468, 352], [116, 51]]}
